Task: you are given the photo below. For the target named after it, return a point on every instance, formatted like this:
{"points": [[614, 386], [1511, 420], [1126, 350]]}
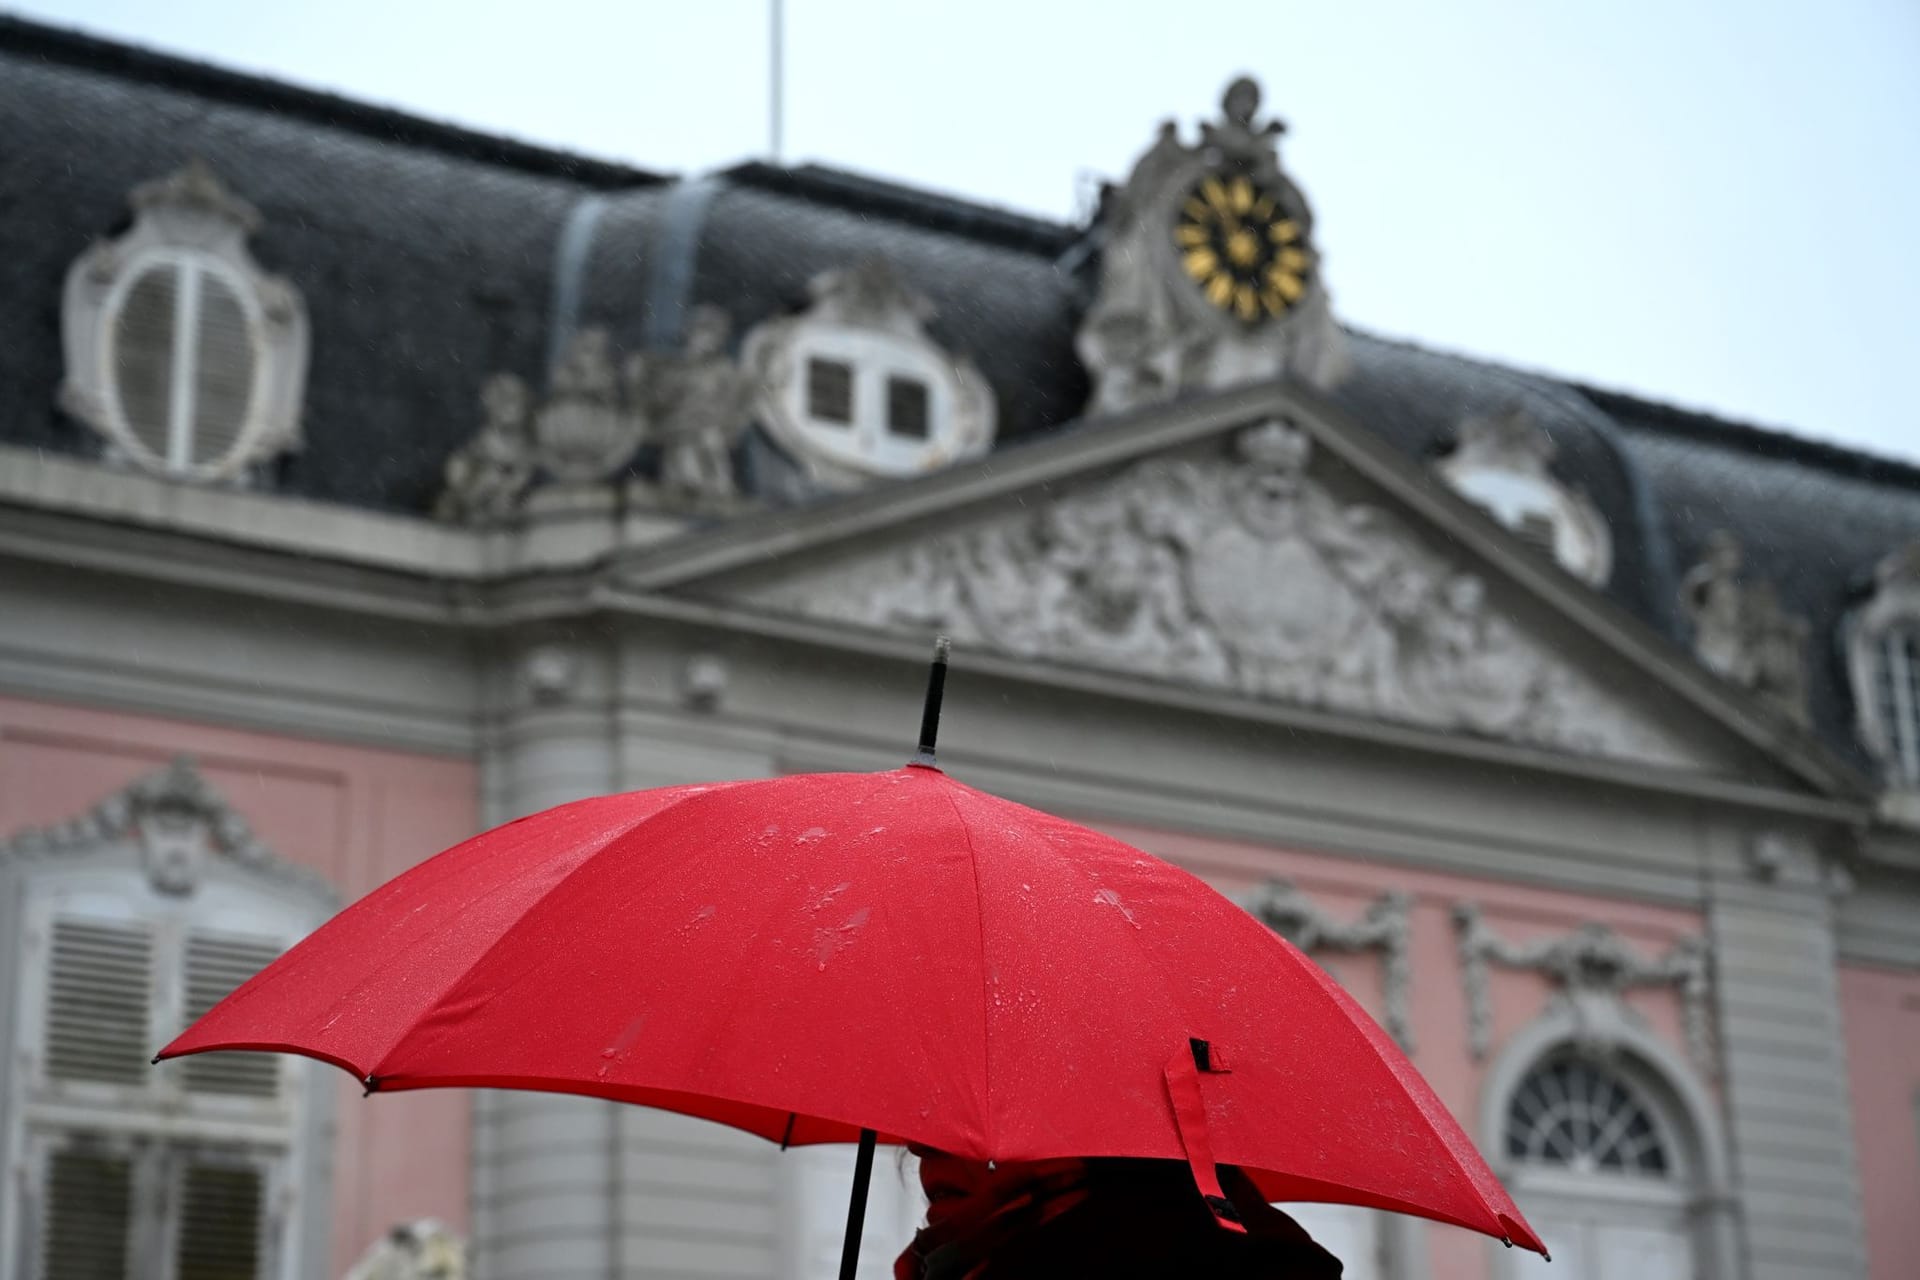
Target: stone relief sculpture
{"points": [[1740, 630], [1591, 964], [1208, 276], [419, 1250], [597, 414], [1235, 570], [486, 477], [1385, 928], [698, 402]]}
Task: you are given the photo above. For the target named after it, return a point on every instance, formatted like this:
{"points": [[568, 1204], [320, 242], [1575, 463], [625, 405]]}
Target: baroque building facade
{"points": [[365, 481]]}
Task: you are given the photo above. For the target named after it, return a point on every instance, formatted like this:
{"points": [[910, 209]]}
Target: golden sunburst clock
{"points": [[1239, 246]]}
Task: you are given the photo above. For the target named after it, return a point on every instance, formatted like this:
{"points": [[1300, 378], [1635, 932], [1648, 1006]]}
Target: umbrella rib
{"points": [[986, 1002]]}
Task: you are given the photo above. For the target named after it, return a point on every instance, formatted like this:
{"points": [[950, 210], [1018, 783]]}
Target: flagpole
{"points": [[776, 90]]}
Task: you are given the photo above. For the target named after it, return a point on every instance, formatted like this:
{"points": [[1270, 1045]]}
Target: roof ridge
{"points": [[129, 61], [1665, 418], [1770, 442], [940, 211]]}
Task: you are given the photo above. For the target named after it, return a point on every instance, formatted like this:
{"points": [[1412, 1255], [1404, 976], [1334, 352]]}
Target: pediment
{"points": [[1248, 563]]}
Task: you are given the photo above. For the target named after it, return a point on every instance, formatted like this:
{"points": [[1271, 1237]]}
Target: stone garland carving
{"points": [[177, 819], [1740, 630], [1149, 334], [1239, 573], [597, 414], [1593, 963], [1386, 928]]}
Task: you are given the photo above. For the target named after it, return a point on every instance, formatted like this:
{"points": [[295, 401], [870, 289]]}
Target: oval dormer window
{"points": [[183, 360], [854, 387], [186, 357]]}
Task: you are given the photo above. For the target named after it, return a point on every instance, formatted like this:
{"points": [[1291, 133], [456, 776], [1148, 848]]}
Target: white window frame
{"points": [[168, 854], [1500, 466], [867, 319], [1699, 1184], [182, 412], [192, 222], [1892, 609]]}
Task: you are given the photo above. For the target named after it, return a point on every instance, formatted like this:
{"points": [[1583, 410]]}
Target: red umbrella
{"points": [[891, 956]]}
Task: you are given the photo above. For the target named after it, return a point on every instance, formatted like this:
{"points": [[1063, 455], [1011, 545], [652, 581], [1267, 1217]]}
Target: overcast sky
{"points": [[1713, 203]]}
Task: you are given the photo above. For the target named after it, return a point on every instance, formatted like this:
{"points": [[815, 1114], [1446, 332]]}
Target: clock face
{"points": [[1238, 245]]}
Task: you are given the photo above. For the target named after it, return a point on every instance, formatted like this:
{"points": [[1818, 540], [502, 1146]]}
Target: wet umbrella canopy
{"points": [[889, 956]]}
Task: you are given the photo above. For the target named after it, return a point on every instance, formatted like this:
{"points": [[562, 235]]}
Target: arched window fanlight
{"points": [[186, 356], [1574, 1113]]}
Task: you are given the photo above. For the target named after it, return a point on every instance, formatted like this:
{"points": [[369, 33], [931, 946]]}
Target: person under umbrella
{"points": [[1101, 1217]]}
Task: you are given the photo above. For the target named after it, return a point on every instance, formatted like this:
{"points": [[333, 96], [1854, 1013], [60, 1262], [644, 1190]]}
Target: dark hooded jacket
{"points": [[1139, 1218]]}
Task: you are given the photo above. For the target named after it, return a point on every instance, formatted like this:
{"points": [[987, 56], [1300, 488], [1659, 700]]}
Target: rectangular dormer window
{"points": [[907, 409], [830, 391]]}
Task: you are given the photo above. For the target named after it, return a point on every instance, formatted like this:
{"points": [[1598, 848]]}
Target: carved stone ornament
{"points": [[865, 321], [1592, 968], [179, 823], [187, 253], [1235, 570], [1501, 464], [1740, 631], [598, 412], [1208, 275], [698, 403], [1385, 928], [1893, 606], [419, 1250]]}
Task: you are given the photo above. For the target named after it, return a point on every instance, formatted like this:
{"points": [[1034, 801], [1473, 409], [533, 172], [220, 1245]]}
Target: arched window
{"points": [[180, 351], [1573, 1114], [1600, 1172]]}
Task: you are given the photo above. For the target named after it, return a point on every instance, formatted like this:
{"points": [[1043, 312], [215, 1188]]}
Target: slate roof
{"points": [[430, 256]]}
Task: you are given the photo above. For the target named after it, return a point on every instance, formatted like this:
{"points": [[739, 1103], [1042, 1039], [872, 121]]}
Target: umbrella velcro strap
{"points": [[1190, 1118]]}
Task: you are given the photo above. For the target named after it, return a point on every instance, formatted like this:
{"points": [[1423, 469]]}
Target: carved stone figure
{"points": [[1207, 272], [486, 477], [419, 1250], [1235, 569], [583, 430], [1591, 964], [697, 404], [1740, 630]]}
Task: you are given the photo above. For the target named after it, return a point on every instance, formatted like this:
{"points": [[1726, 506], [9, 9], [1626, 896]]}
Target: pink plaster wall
{"points": [[359, 816], [1344, 886], [1880, 1009]]}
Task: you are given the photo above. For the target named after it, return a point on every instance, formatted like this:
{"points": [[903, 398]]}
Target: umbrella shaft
{"points": [[857, 1205]]}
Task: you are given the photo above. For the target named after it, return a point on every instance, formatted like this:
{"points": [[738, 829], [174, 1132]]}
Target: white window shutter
{"points": [[143, 356], [99, 991], [214, 965], [222, 372], [87, 1225]]}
